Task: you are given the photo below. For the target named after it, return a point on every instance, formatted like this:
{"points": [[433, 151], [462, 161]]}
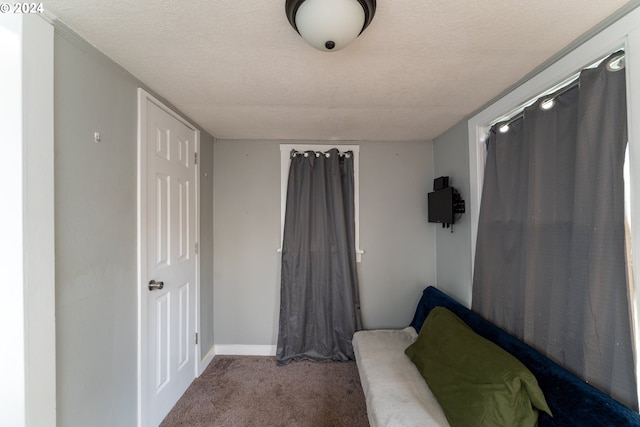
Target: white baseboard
{"points": [[244, 350], [204, 362]]}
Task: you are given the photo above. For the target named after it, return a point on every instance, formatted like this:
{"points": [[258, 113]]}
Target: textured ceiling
{"points": [[240, 71]]}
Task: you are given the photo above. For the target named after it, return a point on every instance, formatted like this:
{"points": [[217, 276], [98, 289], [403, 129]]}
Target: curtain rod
{"points": [[616, 63], [551, 98], [327, 154]]}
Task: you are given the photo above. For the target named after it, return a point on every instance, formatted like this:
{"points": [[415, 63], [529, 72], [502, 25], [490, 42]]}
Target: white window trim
{"points": [[285, 151], [623, 33]]}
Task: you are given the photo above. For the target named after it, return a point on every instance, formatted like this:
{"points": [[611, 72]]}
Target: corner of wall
{"points": [[453, 247]]}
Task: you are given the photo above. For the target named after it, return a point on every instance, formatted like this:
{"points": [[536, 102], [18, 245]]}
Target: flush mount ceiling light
{"points": [[330, 25]]}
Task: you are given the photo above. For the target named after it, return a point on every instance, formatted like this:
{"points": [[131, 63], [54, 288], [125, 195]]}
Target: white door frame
{"points": [[142, 279], [27, 247]]}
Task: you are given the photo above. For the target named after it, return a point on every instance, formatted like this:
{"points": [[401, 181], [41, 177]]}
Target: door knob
{"points": [[153, 285]]}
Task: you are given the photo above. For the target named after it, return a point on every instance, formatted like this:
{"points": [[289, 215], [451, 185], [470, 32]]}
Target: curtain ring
{"points": [[547, 103], [616, 63]]}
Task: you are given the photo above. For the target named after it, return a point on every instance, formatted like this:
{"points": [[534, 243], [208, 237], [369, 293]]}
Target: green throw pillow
{"points": [[476, 382]]}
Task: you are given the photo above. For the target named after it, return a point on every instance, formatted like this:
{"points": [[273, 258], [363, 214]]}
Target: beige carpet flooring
{"points": [[247, 391]]}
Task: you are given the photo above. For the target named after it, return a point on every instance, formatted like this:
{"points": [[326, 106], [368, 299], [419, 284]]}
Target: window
{"points": [[285, 151], [624, 33]]}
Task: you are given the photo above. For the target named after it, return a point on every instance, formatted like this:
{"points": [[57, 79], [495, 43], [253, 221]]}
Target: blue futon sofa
{"points": [[572, 401]]}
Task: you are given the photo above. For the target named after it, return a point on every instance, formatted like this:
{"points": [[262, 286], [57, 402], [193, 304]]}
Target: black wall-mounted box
{"points": [[440, 183]]}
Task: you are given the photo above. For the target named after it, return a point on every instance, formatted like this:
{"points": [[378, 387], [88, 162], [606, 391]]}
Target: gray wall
{"points": [[206, 244], [95, 226], [95, 208], [399, 243], [247, 232], [451, 155]]}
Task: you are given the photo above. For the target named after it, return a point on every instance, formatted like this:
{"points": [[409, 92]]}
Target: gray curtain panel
{"points": [[319, 302], [550, 261]]}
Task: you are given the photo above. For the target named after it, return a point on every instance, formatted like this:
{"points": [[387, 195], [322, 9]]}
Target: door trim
{"points": [[142, 275]]}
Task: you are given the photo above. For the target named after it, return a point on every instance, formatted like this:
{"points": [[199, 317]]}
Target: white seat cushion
{"points": [[396, 393]]}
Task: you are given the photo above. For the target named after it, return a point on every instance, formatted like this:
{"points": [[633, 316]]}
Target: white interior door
{"points": [[168, 259]]}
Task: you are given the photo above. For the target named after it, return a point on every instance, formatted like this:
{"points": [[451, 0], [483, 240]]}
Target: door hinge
{"points": [[195, 158], [196, 248], [196, 338]]}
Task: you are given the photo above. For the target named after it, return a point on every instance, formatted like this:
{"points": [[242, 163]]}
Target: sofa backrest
{"points": [[572, 401]]}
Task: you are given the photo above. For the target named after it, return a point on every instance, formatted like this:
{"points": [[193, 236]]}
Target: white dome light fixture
{"points": [[330, 25]]}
